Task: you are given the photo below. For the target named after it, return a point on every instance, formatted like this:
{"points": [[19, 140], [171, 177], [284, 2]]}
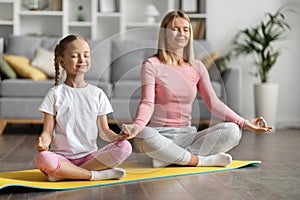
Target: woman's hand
{"points": [[131, 129], [257, 125], [40, 146]]}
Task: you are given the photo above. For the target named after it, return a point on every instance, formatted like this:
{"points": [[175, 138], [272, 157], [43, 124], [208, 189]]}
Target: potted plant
{"points": [[258, 41]]}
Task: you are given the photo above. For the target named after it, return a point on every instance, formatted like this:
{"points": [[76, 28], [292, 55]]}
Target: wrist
{"points": [[141, 126]]}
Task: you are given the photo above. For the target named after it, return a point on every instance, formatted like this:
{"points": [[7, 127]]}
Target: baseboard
{"points": [[288, 124]]}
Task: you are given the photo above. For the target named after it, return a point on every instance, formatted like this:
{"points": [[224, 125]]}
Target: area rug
{"points": [[135, 172]]}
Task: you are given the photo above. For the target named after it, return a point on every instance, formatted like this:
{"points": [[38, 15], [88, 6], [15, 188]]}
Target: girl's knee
{"points": [[45, 162], [41, 158], [124, 146], [120, 150]]}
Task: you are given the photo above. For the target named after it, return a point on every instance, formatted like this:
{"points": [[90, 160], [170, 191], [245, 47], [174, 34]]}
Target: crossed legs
{"points": [[97, 166], [186, 146]]}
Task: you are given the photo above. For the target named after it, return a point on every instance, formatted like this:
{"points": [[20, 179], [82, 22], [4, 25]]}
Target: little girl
{"points": [[74, 114]]}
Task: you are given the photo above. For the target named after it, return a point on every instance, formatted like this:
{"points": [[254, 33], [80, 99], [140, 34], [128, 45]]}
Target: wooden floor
{"points": [[278, 177]]}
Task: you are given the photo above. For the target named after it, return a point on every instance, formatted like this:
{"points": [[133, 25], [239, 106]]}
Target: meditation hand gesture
{"points": [[131, 129], [257, 125], [40, 146], [113, 137]]}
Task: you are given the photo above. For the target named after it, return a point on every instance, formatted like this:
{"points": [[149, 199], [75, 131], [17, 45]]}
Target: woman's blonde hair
{"points": [[162, 53], [59, 52]]}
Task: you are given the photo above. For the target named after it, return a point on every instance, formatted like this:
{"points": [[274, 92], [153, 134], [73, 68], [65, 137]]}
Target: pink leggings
{"points": [[49, 162]]}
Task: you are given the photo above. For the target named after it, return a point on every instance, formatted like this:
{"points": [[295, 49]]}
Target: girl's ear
{"points": [[61, 61]]}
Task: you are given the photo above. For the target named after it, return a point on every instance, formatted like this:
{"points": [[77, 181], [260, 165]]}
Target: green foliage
{"points": [[259, 40]]}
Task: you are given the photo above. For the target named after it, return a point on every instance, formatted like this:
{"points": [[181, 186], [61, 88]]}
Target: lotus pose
{"points": [[162, 129], [74, 115]]}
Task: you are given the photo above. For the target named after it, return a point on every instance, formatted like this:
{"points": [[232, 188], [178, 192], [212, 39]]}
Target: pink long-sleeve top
{"points": [[168, 93]]}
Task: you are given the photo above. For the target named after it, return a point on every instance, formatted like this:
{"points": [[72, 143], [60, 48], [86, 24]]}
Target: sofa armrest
{"points": [[233, 83]]}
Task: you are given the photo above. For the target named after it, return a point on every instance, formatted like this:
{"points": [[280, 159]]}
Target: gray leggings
{"points": [[176, 145]]}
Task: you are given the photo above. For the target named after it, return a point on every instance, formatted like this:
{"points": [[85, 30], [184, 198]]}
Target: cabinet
{"points": [[79, 17], [88, 18], [136, 24], [7, 21]]}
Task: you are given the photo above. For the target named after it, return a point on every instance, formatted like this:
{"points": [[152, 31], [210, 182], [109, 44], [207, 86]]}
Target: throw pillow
{"points": [[44, 60], [6, 70], [209, 62], [21, 65]]}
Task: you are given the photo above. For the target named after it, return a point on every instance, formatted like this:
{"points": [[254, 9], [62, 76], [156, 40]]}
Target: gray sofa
{"points": [[115, 68]]}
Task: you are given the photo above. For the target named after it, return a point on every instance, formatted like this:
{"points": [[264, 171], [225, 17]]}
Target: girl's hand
{"points": [[111, 136], [123, 135], [131, 129], [40, 146], [106, 133], [257, 125]]}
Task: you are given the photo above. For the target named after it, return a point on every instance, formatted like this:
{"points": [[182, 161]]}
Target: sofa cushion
{"points": [[104, 85], [22, 66], [20, 108], [101, 60], [30, 88], [201, 49], [25, 87], [124, 109], [49, 43], [128, 56], [5, 69], [22, 45], [132, 89], [127, 89], [218, 88], [44, 60]]}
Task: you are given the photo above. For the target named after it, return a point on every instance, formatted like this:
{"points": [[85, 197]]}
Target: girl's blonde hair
{"points": [[162, 53], [59, 52]]}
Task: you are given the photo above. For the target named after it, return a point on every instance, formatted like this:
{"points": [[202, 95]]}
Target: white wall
{"points": [[226, 17]]}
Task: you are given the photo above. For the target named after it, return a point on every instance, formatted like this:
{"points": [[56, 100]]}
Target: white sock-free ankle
{"points": [[106, 174], [218, 160]]}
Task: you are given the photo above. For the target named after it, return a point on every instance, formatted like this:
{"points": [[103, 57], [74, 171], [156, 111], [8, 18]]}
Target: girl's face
{"points": [[178, 33], [76, 59]]}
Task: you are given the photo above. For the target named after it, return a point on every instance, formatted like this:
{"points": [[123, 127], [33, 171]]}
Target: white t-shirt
{"points": [[76, 110]]}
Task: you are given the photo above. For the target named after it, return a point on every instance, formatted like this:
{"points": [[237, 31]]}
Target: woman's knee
{"points": [[234, 133], [147, 132], [152, 142], [142, 143]]}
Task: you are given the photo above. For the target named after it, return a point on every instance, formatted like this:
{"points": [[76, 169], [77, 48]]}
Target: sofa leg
{"points": [[3, 124]]}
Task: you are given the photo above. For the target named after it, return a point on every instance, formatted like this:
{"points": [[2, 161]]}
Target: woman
{"points": [[170, 80]]}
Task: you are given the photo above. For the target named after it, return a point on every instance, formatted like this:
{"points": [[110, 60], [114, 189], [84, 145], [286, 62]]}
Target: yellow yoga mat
{"points": [[33, 178]]}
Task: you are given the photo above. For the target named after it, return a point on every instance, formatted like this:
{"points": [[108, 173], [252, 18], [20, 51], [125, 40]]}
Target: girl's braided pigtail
{"points": [[56, 63]]}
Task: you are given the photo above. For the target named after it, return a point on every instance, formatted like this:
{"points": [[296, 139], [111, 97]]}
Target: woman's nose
{"points": [[181, 31]]}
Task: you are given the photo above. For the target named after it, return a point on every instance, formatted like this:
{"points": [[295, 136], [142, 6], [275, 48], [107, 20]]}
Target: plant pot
{"points": [[266, 98]]}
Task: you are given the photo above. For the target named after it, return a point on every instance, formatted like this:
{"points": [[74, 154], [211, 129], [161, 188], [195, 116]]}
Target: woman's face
{"points": [[178, 33]]}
